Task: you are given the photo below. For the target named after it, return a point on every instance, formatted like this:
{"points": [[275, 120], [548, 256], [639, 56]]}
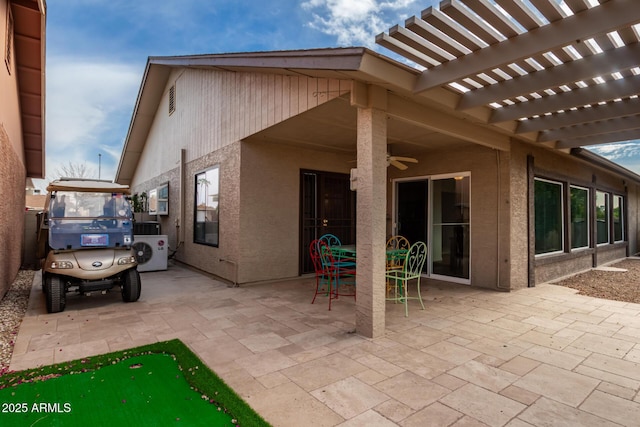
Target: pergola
{"points": [[564, 73], [560, 74]]}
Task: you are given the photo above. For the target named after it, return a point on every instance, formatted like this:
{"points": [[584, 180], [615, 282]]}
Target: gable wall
{"points": [[214, 111], [217, 108]]}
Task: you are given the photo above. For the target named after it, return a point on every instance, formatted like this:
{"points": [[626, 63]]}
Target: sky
{"points": [[97, 51]]}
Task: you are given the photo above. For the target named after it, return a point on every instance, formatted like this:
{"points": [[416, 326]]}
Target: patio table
{"points": [[349, 252]]}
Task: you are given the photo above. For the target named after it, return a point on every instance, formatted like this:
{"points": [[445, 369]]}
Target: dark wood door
{"points": [[327, 205]]}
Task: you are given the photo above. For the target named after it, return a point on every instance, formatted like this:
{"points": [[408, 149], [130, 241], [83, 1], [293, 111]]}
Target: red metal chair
{"points": [[341, 274], [322, 276]]}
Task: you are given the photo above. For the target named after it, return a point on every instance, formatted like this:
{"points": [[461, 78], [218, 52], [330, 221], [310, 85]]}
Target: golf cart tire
{"points": [[55, 294], [130, 285]]}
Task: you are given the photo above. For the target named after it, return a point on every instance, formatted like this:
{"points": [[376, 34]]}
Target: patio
{"points": [[538, 356]]}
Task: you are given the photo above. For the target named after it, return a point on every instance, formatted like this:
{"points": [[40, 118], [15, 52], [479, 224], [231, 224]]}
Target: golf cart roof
{"points": [[87, 185]]}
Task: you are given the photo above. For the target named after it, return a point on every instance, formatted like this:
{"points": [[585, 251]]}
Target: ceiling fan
{"points": [[397, 161]]}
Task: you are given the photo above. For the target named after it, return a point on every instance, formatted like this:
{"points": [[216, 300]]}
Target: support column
{"points": [[371, 212]]}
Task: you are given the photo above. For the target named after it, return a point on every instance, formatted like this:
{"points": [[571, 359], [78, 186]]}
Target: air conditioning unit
{"points": [[151, 252]]}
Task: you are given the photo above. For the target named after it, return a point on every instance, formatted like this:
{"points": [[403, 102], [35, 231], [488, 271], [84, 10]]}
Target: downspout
{"points": [[180, 220]]}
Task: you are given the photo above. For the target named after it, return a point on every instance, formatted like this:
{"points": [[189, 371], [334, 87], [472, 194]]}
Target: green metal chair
{"points": [[411, 270]]}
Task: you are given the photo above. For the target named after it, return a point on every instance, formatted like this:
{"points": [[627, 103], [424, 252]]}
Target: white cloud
{"points": [[86, 104], [626, 154], [356, 22]]}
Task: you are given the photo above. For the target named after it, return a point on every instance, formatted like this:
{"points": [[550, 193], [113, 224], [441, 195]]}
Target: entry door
{"points": [[327, 205]]}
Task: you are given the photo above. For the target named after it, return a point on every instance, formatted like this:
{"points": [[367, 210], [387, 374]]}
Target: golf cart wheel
{"points": [[130, 285], [55, 294]]}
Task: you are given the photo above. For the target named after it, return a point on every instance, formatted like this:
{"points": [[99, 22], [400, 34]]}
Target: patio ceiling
{"points": [[561, 73], [334, 126]]}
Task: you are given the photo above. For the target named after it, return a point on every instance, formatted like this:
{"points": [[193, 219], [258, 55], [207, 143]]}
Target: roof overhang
{"points": [[491, 73], [29, 18], [359, 65]]}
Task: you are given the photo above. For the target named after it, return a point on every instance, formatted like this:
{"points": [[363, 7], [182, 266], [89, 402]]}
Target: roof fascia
{"points": [[600, 161]]}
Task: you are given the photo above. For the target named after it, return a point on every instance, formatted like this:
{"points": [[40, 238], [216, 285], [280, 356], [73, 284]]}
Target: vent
{"points": [[8, 51], [172, 99]]}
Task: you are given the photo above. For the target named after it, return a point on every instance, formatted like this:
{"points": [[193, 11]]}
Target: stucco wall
{"points": [[12, 168], [12, 194], [569, 169], [270, 206], [489, 210]]}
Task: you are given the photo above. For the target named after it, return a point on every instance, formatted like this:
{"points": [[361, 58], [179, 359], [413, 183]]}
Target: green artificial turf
{"points": [[159, 384]]}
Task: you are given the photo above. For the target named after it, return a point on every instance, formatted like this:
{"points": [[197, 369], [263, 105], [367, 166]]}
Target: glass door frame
{"points": [[430, 232]]}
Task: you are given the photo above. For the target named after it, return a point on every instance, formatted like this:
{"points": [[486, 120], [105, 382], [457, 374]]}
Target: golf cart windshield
{"points": [[80, 220]]}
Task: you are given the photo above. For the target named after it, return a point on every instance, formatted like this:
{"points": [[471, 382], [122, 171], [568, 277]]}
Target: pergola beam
{"points": [[593, 94], [597, 128], [607, 111], [602, 19], [608, 62], [607, 138]]}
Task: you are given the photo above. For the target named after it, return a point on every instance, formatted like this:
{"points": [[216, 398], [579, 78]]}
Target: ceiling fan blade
{"points": [[397, 164], [404, 159]]}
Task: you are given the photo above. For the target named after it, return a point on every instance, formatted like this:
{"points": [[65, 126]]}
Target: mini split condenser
{"points": [[151, 252]]}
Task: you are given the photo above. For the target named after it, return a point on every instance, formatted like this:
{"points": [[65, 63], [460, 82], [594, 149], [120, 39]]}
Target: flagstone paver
{"points": [[534, 357]]}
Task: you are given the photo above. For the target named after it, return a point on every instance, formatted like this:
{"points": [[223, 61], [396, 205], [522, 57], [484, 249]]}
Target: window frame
{"points": [[216, 209], [163, 199], [619, 198], [587, 214], [562, 218], [607, 219]]}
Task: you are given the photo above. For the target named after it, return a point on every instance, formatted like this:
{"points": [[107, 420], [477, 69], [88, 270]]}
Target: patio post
{"points": [[371, 210]]}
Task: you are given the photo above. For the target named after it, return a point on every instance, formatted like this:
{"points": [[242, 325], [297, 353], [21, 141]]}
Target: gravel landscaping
{"points": [[618, 282], [12, 309]]}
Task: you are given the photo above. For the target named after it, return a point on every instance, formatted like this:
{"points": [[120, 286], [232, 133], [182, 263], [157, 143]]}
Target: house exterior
{"points": [[254, 155], [22, 28]]}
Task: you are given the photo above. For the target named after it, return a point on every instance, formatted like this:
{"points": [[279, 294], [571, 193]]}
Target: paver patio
{"points": [[540, 356]]}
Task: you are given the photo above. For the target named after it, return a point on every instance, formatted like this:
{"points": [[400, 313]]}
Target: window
{"points": [[206, 207], [618, 215], [602, 217], [163, 199], [548, 216], [579, 217]]}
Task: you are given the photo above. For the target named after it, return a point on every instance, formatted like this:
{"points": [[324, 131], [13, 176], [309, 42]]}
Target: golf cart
{"points": [[85, 236]]}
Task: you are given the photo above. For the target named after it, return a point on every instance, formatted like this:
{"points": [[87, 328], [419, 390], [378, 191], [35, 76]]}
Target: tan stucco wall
{"points": [[259, 213], [259, 193], [12, 193], [270, 206], [489, 210], [564, 168], [12, 168]]}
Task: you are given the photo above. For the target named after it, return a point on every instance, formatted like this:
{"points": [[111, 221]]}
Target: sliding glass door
{"points": [[450, 227], [436, 210]]}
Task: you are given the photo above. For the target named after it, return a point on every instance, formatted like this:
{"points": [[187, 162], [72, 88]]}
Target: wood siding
{"points": [[217, 108]]}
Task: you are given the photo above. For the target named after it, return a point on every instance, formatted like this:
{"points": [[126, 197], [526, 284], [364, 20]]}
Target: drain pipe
{"points": [[235, 271]]}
